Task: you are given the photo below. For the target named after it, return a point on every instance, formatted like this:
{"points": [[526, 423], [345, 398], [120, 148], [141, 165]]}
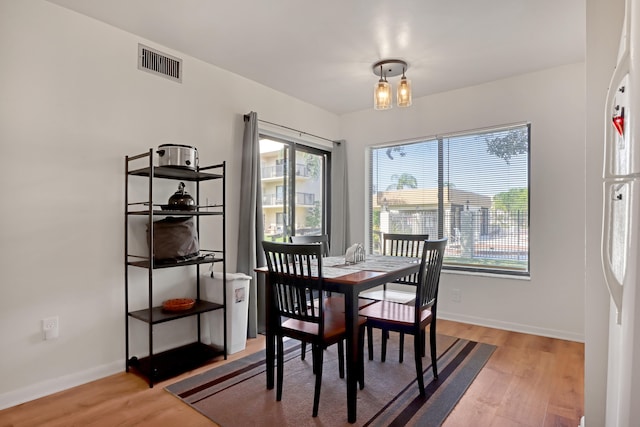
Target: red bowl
{"points": [[178, 304]]}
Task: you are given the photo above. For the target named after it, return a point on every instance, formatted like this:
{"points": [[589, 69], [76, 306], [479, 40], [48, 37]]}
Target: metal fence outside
{"points": [[495, 239]]}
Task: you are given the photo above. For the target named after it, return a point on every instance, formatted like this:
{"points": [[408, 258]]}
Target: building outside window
{"points": [[294, 188]]}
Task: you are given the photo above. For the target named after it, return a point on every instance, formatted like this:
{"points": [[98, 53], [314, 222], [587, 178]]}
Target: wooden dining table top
{"points": [[335, 269]]}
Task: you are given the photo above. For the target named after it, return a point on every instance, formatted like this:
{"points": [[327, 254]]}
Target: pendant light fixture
{"points": [[404, 91], [382, 91]]}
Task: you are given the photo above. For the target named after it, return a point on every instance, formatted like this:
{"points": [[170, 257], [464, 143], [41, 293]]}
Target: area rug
{"points": [[235, 394]]}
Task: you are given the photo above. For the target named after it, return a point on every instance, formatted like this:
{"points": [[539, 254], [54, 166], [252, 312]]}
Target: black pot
{"points": [[181, 200]]}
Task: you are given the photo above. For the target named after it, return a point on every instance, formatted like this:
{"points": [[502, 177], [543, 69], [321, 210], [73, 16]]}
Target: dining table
{"points": [[348, 279]]}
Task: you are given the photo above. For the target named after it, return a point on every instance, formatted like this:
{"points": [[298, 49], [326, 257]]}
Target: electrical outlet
{"points": [[50, 328], [456, 295]]}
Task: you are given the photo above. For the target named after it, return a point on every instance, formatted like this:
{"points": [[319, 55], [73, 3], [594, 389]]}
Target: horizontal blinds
{"points": [[403, 190], [486, 184], [488, 165]]}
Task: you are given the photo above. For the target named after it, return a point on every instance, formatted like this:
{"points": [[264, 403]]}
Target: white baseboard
{"points": [[509, 326], [48, 387], [55, 385]]}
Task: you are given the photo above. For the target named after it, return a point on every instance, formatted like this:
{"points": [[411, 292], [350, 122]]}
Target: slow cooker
{"points": [[179, 156]]}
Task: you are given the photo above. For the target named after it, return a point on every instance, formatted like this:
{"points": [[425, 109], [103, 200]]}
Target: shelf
{"points": [[200, 260], [157, 212], [175, 361], [159, 366], [159, 315], [176, 173]]}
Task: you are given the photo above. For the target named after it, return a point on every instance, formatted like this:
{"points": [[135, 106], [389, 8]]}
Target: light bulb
{"points": [[382, 95], [404, 92]]}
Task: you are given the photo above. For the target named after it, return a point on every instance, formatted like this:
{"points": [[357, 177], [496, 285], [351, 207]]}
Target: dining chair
{"points": [[334, 303], [331, 303], [413, 318], [295, 279], [323, 239], [316, 238], [405, 245]]}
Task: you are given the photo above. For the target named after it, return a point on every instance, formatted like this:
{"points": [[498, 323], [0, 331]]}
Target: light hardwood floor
{"points": [[528, 381]]}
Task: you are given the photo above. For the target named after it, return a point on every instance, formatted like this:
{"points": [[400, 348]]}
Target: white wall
{"points": [[552, 302], [72, 105]]}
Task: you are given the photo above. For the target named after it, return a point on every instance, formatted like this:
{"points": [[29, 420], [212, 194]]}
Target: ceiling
{"points": [[322, 51]]}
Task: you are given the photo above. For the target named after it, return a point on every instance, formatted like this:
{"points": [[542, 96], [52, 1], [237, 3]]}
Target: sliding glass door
{"points": [[294, 188]]}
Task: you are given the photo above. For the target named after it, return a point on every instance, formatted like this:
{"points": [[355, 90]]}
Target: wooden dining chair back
{"points": [[428, 282], [295, 272], [323, 239], [295, 279], [316, 238], [414, 318], [406, 245]]}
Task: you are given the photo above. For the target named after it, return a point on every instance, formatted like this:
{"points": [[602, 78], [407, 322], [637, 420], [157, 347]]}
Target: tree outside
{"points": [[515, 142], [516, 199], [404, 180]]}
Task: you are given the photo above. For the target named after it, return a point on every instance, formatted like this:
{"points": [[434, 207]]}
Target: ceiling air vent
{"points": [[159, 63]]}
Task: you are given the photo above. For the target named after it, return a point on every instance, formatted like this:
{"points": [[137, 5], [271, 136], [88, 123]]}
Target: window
{"points": [[470, 187], [294, 188]]}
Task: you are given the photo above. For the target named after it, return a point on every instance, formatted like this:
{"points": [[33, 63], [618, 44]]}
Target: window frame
{"points": [[500, 271], [288, 186]]}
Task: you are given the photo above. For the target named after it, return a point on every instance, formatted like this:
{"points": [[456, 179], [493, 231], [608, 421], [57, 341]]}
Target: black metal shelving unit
{"points": [[157, 366]]}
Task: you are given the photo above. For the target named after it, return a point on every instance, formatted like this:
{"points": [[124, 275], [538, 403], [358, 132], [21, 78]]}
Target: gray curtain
{"points": [[250, 234], [339, 199]]}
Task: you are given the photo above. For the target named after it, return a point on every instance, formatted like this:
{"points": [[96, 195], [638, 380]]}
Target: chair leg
{"points": [[401, 356], [303, 349], [383, 350], [314, 353], [280, 369], [316, 394], [370, 341], [313, 359], [432, 343], [341, 358], [417, 351], [361, 359]]}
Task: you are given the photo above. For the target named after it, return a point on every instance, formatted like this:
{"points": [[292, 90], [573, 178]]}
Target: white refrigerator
{"points": [[621, 226]]}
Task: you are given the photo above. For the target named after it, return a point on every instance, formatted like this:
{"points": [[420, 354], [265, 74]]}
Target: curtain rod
{"points": [[246, 117]]}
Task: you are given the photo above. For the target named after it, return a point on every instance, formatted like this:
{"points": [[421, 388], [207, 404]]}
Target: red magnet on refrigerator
{"points": [[618, 122]]}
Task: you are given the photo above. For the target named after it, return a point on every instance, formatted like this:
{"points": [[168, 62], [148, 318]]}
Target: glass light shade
{"points": [[404, 93], [382, 95]]}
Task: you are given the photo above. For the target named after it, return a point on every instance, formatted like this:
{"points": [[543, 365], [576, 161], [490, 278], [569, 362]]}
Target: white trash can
{"points": [[237, 309]]}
